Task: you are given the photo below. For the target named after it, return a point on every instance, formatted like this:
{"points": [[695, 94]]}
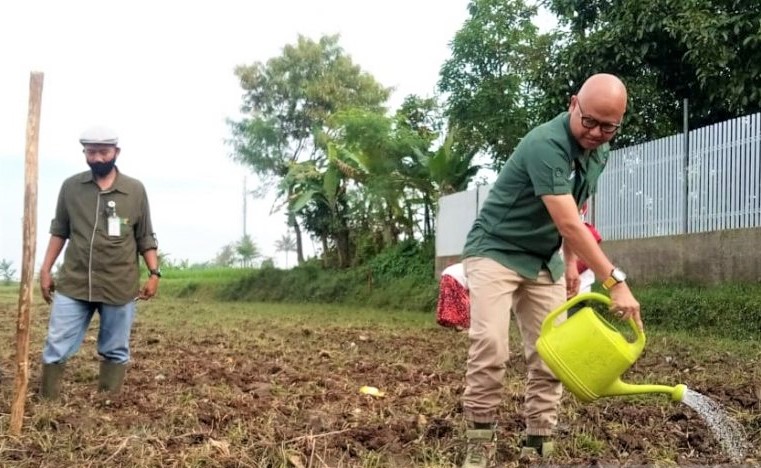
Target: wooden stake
{"points": [[30, 242]]}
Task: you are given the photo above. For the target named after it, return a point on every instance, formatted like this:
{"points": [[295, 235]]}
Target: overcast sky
{"points": [[161, 74]]}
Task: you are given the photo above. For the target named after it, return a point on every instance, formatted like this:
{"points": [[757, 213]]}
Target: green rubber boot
{"points": [[50, 386], [534, 447], [111, 376], [481, 449]]}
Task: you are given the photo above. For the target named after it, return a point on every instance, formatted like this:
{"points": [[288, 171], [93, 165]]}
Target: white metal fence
{"points": [[644, 192]]}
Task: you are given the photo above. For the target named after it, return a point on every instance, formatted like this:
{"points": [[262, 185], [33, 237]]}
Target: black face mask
{"points": [[102, 169]]}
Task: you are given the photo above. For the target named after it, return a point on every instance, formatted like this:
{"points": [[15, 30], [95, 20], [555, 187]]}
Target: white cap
{"points": [[99, 136]]}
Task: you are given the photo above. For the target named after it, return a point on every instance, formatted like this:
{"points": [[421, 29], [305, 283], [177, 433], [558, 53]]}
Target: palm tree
{"points": [[247, 251], [286, 244]]}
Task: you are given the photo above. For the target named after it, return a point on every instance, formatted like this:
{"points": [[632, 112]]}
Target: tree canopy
{"points": [[355, 176], [504, 77], [358, 177]]}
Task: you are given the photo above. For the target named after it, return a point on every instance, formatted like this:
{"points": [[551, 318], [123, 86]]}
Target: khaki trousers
{"points": [[494, 291]]}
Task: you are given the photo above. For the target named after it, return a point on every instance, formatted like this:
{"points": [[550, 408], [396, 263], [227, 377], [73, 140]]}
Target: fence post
{"points": [[686, 201]]}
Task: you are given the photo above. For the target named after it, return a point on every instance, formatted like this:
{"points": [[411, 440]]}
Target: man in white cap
{"points": [[104, 216]]}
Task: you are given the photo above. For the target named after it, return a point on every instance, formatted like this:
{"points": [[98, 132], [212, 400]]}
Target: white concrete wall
{"points": [[455, 218]]}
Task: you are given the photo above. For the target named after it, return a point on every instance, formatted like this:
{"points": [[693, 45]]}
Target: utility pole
{"points": [[245, 201]]}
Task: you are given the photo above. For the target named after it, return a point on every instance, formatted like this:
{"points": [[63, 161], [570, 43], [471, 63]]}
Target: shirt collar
{"points": [[579, 151], [119, 184]]}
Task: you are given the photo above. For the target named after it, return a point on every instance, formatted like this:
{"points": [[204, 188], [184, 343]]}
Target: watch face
{"points": [[618, 275]]}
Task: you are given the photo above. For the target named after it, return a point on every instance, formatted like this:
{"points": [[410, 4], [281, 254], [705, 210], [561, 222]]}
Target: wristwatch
{"points": [[616, 276], [154, 272]]}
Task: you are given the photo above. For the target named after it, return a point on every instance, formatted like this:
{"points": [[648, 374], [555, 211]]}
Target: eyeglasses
{"points": [[97, 151], [591, 122]]}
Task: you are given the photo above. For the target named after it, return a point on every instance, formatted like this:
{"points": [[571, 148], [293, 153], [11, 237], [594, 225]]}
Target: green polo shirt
{"points": [[514, 227], [101, 259]]}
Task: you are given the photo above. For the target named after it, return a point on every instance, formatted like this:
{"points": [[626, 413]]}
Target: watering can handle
{"points": [[549, 322]]}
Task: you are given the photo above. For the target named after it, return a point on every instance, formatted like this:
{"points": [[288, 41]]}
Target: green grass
{"points": [[729, 310], [192, 312], [214, 275]]}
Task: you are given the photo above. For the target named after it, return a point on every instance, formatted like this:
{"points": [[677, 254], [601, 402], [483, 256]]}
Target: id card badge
{"points": [[114, 226]]}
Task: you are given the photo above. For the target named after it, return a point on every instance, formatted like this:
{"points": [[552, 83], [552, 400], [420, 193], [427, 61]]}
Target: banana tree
{"points": [[317, 195]]}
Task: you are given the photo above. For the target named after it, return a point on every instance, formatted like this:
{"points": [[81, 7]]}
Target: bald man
{"points": [[512, 260]]}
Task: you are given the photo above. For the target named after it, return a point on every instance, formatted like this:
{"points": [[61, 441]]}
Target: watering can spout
{"points": [[619, 387]]}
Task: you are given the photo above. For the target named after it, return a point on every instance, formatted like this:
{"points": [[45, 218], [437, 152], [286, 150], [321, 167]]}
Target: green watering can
{"points": [[589, 356]]}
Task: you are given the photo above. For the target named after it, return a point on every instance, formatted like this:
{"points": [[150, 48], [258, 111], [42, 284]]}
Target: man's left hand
{"points": [[149, 289], [572, 282]]}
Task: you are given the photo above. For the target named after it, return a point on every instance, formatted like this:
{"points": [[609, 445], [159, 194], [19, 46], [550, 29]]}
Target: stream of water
{"points": [[725, 429]]}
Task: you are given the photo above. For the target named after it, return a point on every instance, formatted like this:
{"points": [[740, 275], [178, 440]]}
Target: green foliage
{"points": [[423, 116], [290, 97], [287, 103], [728, 310], [451, 166], [189, 289], [400, 278], [351, 174], [491, 99], [407, 259], [247, 251], [504, 77], [7, 271], [166, 261], [197, 282], [226, 256], [380, 181], [665, 51], [399, 175], [286, 244]]}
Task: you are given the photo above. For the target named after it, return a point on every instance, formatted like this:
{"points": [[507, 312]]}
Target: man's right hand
{"points": [[47, 286], [624, 305]]}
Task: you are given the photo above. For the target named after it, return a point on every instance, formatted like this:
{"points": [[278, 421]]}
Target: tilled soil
{"points": [[274, 393]]}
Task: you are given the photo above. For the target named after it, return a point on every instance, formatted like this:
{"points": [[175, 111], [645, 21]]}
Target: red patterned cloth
{"points": [[453, 309]]}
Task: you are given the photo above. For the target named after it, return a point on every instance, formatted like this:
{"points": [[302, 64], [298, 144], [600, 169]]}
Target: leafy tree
{"points": [[7, 272], [665, 50], [504, 78], [287, 102], [397, 177], [375, 153], [423, 116], [286, 244], [247, 251], [226, 256], [491, 99]]}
